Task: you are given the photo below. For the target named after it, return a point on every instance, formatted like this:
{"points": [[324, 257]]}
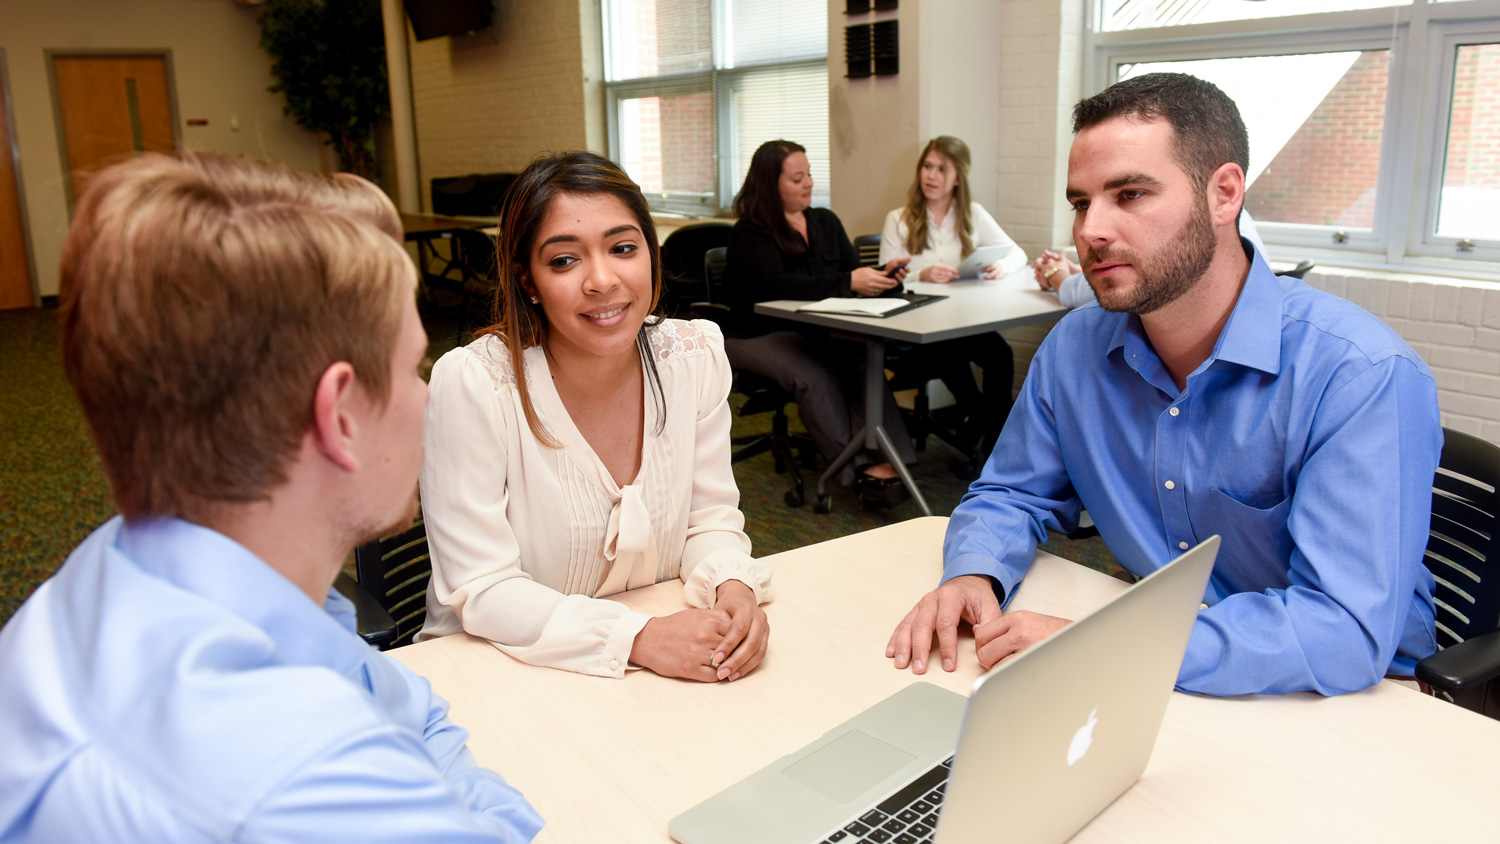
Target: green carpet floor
{"points": [[53, 492]]}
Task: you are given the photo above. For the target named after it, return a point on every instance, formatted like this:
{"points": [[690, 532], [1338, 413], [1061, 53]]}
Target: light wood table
{"points": [[614, 760]]}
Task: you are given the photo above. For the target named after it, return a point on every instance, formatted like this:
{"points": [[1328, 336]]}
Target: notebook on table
{"points": [[1043, 743], [879, 306]]}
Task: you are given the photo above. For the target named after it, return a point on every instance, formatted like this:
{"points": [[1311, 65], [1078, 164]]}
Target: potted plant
{"points": [[328, 57]]}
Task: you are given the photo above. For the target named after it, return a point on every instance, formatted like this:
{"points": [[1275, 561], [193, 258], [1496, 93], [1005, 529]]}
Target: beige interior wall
{"points": [[491, 101], [874, 123], [959, 92], [220, 74]]}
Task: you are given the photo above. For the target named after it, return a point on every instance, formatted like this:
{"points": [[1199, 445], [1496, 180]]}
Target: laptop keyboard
{"points": [[909, 816]]}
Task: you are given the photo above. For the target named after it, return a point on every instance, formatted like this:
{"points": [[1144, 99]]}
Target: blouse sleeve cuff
{"points": [[701, 587], [616, 656]]}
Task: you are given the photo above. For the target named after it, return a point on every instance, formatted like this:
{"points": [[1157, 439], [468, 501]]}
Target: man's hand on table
{"points": [[965, 598], [1001, 638]]}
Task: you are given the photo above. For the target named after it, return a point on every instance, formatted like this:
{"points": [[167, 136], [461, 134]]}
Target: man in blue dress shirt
{"points": [[1205, 395], [244, 343]]}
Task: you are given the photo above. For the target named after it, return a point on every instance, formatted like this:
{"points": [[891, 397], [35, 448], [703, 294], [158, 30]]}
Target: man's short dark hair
{"points": [[1209, 130]]}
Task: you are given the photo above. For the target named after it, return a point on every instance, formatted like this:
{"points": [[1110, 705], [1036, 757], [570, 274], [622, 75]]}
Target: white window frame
{"points": [[1444, 41], [696, 82], [1411, 157], [717, 82]]}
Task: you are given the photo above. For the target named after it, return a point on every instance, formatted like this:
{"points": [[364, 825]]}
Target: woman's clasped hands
{"points": [[708, 645]]}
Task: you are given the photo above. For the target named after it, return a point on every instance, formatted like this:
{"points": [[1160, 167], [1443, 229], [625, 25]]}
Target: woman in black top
{"points": [[783, 249]]}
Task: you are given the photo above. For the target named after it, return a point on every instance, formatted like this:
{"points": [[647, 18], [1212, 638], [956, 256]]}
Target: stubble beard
{"points": [[1163, 277], [370, 532]]}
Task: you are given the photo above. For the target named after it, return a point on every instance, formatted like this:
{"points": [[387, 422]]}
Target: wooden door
{"points": [[15, 269], [110, 107]]}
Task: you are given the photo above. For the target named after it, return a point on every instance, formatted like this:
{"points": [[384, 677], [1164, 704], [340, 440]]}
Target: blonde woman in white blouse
{"points": [[940, 224], [938, 228], [578, 449]]}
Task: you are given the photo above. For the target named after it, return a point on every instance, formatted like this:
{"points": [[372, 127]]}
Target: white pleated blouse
{"points": [[527, 539]]}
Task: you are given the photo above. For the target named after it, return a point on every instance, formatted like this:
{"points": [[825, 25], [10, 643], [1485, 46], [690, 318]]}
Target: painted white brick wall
{"points": [[1453, 324], [1039, 81]]}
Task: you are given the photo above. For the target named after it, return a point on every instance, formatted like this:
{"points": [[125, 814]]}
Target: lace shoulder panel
{"points": [[495, 358], [676, 338]]}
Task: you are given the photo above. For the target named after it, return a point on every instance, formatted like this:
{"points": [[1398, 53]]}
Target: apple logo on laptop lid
{"points": [[1082, 739]]}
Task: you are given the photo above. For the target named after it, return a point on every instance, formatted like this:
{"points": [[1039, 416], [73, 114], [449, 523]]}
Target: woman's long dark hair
{"points": [[521, 323], [759, 200]]}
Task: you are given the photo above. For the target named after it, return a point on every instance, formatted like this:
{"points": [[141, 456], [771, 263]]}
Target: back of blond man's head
{"points": [[202, 298]]}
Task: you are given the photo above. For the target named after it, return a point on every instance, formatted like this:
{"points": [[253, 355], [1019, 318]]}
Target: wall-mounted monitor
{"points": [[437, 18]]}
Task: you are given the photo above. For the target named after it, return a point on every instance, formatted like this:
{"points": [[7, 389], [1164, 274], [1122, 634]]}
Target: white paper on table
{"points": [[855, 307]]}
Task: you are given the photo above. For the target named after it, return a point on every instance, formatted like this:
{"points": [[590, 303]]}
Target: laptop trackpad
{"points": [[848, 766]]}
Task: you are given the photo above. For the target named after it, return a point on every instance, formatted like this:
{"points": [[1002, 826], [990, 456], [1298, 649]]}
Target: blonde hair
{"points": [[918, 238], [202, 299]]}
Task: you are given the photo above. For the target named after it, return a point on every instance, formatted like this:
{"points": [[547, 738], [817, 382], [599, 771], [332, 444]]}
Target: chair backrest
{"points": [[682, 262], [474, 195], [1463, 545], [1300, 270], [476, 252], [714, 261], [395, 571], [868, 246]]}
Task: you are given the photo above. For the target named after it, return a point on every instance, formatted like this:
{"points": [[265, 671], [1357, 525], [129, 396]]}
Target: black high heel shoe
{"points": [[880, 493]]}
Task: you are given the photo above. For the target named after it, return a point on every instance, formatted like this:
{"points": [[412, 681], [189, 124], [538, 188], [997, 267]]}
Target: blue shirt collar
{"points": [[218, 569], [1251, 337]]}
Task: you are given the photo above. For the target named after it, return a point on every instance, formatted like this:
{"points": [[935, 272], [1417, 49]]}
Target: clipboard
{"points": [[877, 307]]}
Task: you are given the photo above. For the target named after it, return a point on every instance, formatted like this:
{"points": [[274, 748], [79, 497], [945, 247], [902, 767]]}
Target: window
{"points": [[1374, 130], [693, 87], [1467, 200], [1140, 14]]}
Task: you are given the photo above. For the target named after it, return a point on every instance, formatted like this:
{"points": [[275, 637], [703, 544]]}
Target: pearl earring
{"points": [[535, 301]]}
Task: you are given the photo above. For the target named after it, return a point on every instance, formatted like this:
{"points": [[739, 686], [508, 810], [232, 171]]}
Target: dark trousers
{"points": [[827, 380], [984, 411]]}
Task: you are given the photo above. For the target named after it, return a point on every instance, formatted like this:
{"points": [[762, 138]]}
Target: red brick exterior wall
{"points": [[1474, 132], [1326, 173], [676, 133]]}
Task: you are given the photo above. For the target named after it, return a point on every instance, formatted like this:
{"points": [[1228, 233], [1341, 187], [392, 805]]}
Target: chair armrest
{"points": [[375, 624], [1464, 667]]}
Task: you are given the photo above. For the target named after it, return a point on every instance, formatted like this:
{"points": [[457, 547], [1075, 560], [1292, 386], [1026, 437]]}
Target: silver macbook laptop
{"points": [[1046, 741]]}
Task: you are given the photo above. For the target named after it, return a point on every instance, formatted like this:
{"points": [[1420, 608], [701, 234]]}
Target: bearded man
{"points": [[1205, 395]]}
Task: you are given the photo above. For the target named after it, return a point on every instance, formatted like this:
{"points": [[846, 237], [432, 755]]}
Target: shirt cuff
{"points": [[985, 568], [701, 587], [615, 660]]}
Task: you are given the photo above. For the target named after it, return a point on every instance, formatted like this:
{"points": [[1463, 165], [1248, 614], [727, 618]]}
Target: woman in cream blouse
{"points": [[940, 225], [579, 448], [938, 228]]}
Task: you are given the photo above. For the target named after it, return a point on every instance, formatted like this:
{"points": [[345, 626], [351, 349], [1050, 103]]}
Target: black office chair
{"points": [[475, 256], [1300, 270], [372, 622], [682, 254], [395, 571], [762, 395], [1463, 554], [868, 246], [919, 422]]}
